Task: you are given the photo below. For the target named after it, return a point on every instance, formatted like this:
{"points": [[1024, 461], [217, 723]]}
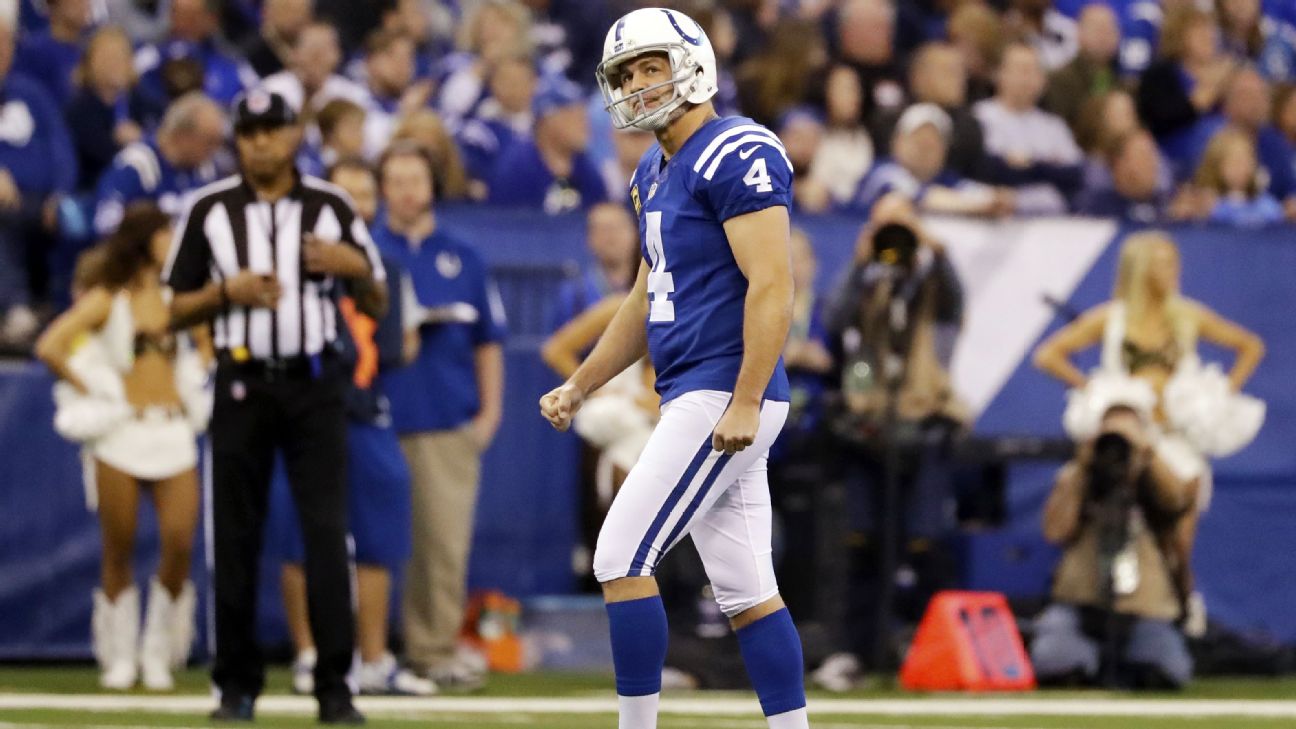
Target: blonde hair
{"points": [[1133, 292], [1210, 173], [1174, 29]]}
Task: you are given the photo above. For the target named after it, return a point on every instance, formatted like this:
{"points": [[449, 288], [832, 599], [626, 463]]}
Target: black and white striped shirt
{"points": [[225, 229]]}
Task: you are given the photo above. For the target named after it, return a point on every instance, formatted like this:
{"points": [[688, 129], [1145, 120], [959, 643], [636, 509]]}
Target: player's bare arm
{"points": [[760, 244], [623, 343]]}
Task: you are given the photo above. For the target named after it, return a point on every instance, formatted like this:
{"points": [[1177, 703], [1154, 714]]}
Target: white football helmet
{"points": [[692, 62]]}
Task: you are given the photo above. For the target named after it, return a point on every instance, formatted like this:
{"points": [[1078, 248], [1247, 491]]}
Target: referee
{"points": [[262, 254]]}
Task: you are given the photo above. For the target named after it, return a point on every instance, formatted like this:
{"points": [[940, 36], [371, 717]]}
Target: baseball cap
{"points": [[261, 108], [554, 96], [926, 113]]}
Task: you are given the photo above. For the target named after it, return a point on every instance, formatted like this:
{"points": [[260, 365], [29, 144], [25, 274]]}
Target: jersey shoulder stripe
{"points": [[746, 139], [718, 143]]}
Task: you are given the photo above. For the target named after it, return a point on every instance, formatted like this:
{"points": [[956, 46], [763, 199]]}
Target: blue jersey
{"points": [[729, 167], [141, 172]]}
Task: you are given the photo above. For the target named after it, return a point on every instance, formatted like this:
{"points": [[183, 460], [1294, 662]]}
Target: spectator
{"points": [[312, 81], [1186, 83], [978, 33], [429, 23], [1251, 37], [143, 22], [445, 407], [271, 50], [501, 118], [1133, 186], [341, 126], [1248, 107], [164, 167], [807, 356], [782, 76], [147, 394], [1028, 148], [1102, 119], [51, 56], [389, 71], [37, 170], [1050, 33], [106, 108], [192, 38], [718, 24], [917, 171], [450, 181], [1228, 178], [865, 41], [552, 171], [1093, 71], [490, 31], [378, 490], [937, 76], [629, 146], [612, 239], [1116, 500], [1284, 116], [801, 130], [845, 151]]}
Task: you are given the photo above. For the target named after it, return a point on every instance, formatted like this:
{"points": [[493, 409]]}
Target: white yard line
{"points": [[699, 705]]}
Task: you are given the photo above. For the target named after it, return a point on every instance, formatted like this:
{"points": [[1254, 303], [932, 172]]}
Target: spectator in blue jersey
{"points": [[429, 23], [1040, 25], [501, 118], [1248, 107], [446, 406], [378, 495], [165, 166], [37, 170], [1134, 188], [916, 170], [1187, 81], [551, 171], [490, 31], [1251, 36], [192, 38], [1140, 30], [106, 110], [50, 56], [1027, 148], [1229, 182], [612, 238], [270, 51]]}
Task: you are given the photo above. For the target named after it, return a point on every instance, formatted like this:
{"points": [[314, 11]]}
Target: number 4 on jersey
{"points": [[759, 176], [661, 284]]}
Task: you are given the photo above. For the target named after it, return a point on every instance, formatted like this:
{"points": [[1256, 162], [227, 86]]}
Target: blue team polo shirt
{"points": [[438, 391]]}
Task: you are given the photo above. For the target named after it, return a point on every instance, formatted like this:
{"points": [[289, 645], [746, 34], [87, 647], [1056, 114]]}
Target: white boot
{"points": [[115, 625], [161, 645]]}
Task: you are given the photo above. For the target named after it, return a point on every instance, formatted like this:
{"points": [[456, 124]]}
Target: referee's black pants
{"points": [[258, 411]]}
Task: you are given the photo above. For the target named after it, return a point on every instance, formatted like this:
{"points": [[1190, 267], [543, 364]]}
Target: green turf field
{"points": [[577, 701]]}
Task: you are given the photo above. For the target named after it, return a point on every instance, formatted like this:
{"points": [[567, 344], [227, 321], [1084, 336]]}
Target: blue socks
{"points": [[639, 637], [771, 648]]}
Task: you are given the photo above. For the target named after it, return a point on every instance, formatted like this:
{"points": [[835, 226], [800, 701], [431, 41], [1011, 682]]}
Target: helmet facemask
{"points": [[685, 72]]}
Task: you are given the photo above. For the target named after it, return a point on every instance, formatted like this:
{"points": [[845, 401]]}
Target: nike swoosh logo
{"points": [[744, 154]]}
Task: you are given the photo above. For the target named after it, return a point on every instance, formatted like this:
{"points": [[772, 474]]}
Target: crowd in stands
{"points": [[1181, 110]]}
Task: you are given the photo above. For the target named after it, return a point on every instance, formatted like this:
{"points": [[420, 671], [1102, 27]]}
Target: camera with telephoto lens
{"points": [[1111, 469], [895, 244]]}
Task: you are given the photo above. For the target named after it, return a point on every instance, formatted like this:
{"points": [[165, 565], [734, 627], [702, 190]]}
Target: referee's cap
{"points": [[262, 108]]}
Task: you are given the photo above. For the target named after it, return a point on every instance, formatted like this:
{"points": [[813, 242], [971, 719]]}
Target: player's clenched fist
{"points": [[737, 428], [559, 406]]}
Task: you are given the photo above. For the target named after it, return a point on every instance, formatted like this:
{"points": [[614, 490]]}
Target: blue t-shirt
{"points": [[140, 172], [34, 142], [438, 391], [729, 167], [49, 61], [223, 77], [521, 178]]}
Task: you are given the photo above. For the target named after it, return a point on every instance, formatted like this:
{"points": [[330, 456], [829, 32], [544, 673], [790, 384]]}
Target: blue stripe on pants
{"points": [[692, 507], [641, 555]]}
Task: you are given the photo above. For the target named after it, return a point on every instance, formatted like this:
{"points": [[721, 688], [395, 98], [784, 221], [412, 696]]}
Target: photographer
{"points": [[897, 314], [1114, 510]]}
